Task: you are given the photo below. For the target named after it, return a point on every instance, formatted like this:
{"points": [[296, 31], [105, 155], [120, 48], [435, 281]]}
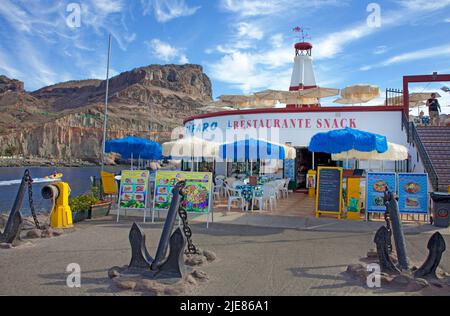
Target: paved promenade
{"points": [[269, 260]]}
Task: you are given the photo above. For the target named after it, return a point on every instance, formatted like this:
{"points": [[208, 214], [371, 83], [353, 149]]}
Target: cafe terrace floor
{"points": [[295, 212]]}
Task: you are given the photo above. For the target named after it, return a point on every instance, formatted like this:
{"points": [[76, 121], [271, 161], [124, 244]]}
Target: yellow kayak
{"points": [[55, 176]]}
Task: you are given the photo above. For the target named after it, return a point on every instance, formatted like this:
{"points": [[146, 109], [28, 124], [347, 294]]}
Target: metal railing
{"points": [[428, 165]]}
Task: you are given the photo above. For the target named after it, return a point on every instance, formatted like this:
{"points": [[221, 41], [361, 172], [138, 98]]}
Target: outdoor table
{"points": [[247, 193]]}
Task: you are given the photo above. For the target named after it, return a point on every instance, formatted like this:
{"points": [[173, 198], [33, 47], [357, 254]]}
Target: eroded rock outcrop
{"points": [[65, 121]]}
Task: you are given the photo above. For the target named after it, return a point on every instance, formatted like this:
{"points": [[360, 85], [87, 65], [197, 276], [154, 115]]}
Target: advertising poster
{"points": [[377, 183], [198, 189], [310, 181], [413, 193], [289, 169], [133, 189]]}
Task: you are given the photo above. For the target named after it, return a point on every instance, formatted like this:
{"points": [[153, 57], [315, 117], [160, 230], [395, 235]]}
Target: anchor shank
{"points": [[397, 230], [168, 225]]}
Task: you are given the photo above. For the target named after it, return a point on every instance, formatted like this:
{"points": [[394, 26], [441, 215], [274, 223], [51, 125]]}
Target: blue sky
{"points": [[244, 45]]}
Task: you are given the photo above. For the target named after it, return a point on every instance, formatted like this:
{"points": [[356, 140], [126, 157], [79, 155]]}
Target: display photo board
{"points": [[413, 193], [329, 191], [134, 189], [377, 183], [198, 190]]}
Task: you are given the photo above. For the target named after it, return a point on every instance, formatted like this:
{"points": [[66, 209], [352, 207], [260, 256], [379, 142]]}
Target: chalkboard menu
{"points": [[329, 191]]}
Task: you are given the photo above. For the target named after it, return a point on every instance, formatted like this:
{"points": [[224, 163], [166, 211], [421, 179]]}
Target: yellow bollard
{"points": [[61, 216]]}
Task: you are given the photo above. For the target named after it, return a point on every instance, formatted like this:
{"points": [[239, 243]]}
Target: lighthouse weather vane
{"points": [[303, 34]]}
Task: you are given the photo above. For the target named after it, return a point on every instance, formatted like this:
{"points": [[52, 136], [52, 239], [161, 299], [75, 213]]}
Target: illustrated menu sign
{"points": [[413, 193], [133, 189], [377, 183], [198, 190], [329, 191]]}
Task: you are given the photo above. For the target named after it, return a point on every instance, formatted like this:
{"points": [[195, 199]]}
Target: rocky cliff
{"points": [[65, 121]]}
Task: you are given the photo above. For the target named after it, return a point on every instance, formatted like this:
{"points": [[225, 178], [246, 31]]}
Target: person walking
{"points": [[434, 108]]}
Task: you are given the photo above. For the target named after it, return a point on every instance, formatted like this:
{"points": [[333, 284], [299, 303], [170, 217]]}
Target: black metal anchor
{"points": [[436, 244], [161, 267], [15, 220]]}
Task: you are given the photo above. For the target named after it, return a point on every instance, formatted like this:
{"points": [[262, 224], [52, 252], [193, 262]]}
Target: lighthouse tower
{"points": [[303, 76]]}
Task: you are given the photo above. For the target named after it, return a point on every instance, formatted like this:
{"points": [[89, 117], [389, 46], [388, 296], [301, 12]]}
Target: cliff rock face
{"points": [[65, 121]]}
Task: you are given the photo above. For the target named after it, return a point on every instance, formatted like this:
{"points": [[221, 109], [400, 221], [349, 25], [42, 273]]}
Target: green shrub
{"points": [[83, 202]]}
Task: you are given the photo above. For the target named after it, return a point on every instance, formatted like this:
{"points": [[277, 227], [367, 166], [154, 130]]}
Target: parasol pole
{"points": [[105, 120], [313, 161], [131, 161]]}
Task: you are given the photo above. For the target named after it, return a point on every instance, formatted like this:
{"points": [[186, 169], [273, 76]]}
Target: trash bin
{"points": [[441, 209]]}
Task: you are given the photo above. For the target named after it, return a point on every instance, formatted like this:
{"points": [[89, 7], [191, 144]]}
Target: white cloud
{"points": [[379, 50], [7, 68], [247, 30], [424, 5], [420, 54], [183, 59], [277, 40], [16, 16], [41, 35], [334, 43], [447, 20], [108, 6], [250, 72], [167, 10], [252, 8], [166, 52], [432, 52]]}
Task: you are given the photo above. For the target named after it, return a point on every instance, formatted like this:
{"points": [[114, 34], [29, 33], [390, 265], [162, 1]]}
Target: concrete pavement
{"points": [[251, 260]]}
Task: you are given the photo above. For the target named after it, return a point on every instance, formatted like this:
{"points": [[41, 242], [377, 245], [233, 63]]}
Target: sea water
{"points": [[79, 180]]}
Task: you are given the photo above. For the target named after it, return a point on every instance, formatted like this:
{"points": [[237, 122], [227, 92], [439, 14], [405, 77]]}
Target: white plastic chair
{"points": [[266, 196], [234, 196], [220, 186], [216, 193], [285, 188]]}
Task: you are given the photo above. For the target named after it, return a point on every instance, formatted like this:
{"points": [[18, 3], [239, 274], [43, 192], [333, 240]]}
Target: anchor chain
{"points": [[191, 249], [389, 229], [29, 182]]}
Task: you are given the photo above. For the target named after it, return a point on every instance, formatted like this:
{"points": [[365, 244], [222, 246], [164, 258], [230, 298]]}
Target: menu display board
{"points": [[329, 191], [134, 189], [377, 183], [198, 190], [413, 193]]}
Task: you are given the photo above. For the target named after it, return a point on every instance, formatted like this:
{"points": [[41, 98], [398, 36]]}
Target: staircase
{"points": [[435, 140]]}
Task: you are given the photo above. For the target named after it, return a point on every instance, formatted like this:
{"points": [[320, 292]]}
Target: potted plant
{"points": [[99, 207], [81, 205]]}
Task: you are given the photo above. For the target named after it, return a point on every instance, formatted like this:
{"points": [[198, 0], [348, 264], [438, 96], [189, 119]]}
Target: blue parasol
{"points": [[342, 140], [135, 147], [251, 150]]}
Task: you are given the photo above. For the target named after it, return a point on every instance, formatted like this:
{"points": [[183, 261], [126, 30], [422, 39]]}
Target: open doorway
{"points": [[304, 163]]}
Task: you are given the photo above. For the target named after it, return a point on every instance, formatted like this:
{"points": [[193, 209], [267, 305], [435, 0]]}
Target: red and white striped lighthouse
{"points": [[303, 76]]}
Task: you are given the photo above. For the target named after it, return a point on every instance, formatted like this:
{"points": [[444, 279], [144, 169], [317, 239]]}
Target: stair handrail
{"points": [[406, 124], [432, 174]]}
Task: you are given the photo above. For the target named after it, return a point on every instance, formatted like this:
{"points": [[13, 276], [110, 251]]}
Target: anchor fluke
{"points": [[140, 259], [382, 240], [436, 247]]}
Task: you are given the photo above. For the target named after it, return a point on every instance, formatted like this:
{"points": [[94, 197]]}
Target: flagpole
{"points": [[105, 120]]}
